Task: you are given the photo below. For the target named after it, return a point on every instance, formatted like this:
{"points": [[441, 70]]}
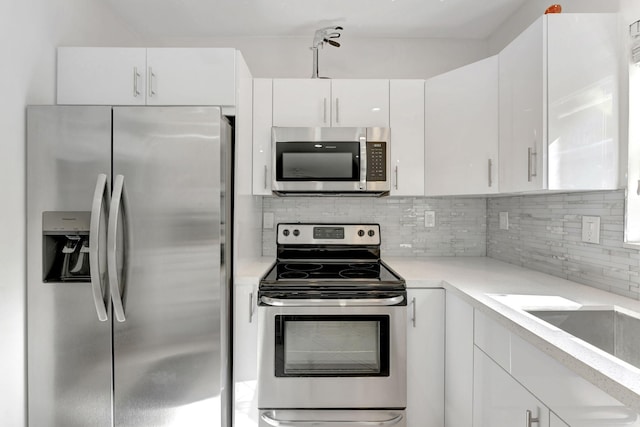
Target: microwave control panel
{"points": [[376, 161]]}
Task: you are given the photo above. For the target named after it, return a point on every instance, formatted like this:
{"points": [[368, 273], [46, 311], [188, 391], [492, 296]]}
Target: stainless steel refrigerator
{"points": [[128, 266]]}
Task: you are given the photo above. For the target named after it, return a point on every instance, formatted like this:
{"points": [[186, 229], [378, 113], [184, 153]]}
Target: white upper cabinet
{"points": [[153, 76], [558, 105], [362, 103], [406, 119], [461, 136], [262, 112], [323, 102], [178, 76], [102, 76], [302, 102]]}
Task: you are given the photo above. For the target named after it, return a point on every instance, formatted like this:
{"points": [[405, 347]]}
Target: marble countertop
{"points": [[474, 278]]}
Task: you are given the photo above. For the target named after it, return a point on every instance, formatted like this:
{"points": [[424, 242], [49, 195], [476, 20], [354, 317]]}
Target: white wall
{"points": [[29, 31], [356, 58]]}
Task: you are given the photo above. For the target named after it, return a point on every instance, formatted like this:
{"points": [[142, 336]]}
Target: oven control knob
{"points": [[360, 233], [371, 233], [285, 232], [296, 232]]}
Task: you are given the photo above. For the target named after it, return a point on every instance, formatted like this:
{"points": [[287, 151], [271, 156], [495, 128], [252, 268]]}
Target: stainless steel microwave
{"points": [[331, 161]]}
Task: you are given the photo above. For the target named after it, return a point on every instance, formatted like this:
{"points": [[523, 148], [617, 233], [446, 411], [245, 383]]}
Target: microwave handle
{"points": [[363, 163], [317, 423]]}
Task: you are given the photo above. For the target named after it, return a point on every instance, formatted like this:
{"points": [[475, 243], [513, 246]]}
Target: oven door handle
{"points": [[327, 302], [318, 423]]}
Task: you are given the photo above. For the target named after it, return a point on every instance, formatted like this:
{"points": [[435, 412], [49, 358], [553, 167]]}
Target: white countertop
{"points": [[472, 278]]}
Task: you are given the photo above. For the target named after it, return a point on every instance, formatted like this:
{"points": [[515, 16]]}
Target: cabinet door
{"points": [[101, 76], [360, 103], [184, 76], [406, 119], [301, 102], [262, 137], [499, 400], [523, 138], [458, 371], [425, 358], [461, 144], [583, 101], [245, 359]]}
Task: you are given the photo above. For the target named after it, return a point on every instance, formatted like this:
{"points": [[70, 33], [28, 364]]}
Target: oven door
{"points": [[331, 354]]}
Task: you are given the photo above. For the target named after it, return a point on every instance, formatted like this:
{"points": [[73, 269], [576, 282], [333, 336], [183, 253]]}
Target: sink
{"points": [[609, 329]]}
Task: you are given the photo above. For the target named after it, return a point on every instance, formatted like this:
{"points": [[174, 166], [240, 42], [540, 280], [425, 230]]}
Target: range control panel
{"points": [[332, 234]]}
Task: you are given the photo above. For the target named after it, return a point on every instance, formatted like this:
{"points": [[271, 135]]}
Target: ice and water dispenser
{"points": [[65, 246]]}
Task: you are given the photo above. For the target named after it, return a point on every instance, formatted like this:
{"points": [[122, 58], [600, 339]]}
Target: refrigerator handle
{"points": [[100, 196], [118, 200]]}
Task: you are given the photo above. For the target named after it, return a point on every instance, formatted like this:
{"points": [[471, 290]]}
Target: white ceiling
{"points": [[466, 19]]}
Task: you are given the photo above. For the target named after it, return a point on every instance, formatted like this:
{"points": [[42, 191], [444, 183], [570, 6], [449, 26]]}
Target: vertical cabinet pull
{"points": [[151, 76], [265, 177], [531, 163], [324, 110], [396, 177], [250, 307], [490, 167], [337, 110], [413, 312], [530, 420], [136, 77]]}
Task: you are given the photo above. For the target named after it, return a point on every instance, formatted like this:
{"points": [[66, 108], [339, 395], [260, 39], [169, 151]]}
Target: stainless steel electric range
{"points": [[332, 321]]}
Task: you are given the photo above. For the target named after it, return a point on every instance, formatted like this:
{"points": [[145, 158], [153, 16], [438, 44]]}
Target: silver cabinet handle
{"points": [[490, 167], [413, 312], [530, 420], [279, 302], [136, 77], [324, 110], [532, 160], [396, 177], [251, 307], [151, 76], [100, 196], [119, 198], [319, 423], [265, 177], [337, 110]]}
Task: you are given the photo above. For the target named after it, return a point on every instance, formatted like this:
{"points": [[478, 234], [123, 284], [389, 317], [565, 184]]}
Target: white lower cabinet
{"points": [[425, 358], [245, 355], [499, 400], [458, 366]]}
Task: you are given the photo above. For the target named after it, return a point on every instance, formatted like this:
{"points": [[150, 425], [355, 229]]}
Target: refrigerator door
{"points": [[167, 340], [68, 348]]}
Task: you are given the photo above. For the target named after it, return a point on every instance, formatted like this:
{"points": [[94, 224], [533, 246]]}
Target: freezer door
{"points": [[68, 348], [167, 339]]}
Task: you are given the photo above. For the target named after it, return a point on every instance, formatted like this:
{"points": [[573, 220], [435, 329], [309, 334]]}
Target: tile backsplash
{"points": [[545, 231], [545, 234], [460, 223]]}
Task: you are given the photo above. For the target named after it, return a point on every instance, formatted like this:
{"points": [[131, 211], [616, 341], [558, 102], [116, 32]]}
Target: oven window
{"points": [[332, 346], [315, 161]]}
